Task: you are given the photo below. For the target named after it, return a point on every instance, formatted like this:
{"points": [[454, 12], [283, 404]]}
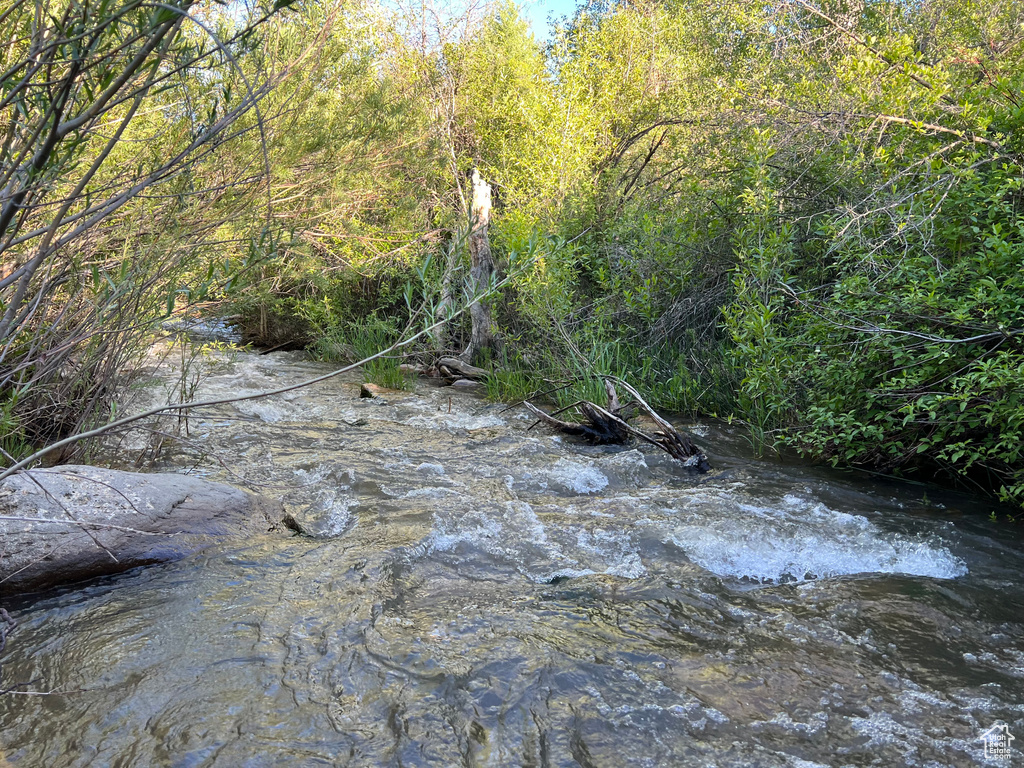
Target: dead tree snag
{"points": [[481, 269]]}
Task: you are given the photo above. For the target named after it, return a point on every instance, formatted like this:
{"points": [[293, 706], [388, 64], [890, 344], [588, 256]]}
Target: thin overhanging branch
{"points": [[864, 44], [202, 404], [114, 425]]}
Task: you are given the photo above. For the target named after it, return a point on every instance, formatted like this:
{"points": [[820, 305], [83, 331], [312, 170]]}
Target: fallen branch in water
{"points": [[599, 426], [609, 426]]}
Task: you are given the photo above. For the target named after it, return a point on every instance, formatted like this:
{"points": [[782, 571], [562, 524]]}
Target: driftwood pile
{"points": [[609, 425], [599, 425]]}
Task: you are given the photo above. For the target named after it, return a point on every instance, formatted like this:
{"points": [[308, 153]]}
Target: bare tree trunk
{"points": [[481, 269]]}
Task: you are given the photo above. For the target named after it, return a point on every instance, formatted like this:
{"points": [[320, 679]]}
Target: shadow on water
{"points": [[480, 594]]}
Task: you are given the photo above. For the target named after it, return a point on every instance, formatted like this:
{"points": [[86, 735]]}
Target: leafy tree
{"points": [[98, 211], [883, 328]]}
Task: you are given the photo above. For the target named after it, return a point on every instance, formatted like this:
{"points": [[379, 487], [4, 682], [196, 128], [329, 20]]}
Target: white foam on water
{"points": [[214, 329], [517, 535], [324, 498], [265, 410], [249, 377], [429, 492], [563, 476], [577, 477], [797, 762], [455, 420], [799, 540], [615, 549], [430, 469], [475, 529], [338, 514]]}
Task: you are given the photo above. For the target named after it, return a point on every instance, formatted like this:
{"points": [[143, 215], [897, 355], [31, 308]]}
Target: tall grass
{"points": [[358, 340], [672, 377]]}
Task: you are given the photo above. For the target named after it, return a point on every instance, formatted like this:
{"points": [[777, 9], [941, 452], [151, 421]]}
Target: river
{"points": [[481, 594]]}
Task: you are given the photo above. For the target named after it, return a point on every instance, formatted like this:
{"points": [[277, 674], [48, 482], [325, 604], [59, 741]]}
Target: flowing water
{"points": [[477, 594]]}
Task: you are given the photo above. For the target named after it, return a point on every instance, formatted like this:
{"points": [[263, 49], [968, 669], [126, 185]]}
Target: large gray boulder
{"points": [[74, 522]]}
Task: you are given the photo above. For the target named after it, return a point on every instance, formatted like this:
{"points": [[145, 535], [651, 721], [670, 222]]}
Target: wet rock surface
{"points": [[71, 523]]}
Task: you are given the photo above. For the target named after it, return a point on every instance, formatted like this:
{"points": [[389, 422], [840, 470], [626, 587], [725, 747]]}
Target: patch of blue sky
{"points": [[540, 14]]}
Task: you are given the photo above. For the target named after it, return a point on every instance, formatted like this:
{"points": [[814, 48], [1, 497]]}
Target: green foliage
{"points": [[511, 384], [13, 446], [106, 128], [359, 340], [929, 369], [886, 331], [509, 107]]}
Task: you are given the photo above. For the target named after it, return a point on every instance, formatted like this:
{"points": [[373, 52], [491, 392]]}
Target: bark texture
{"points": [[481, 269]]}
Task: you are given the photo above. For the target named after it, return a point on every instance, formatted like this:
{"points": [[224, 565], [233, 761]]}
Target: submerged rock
{"points": [[74, 522], [327, 517]]}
